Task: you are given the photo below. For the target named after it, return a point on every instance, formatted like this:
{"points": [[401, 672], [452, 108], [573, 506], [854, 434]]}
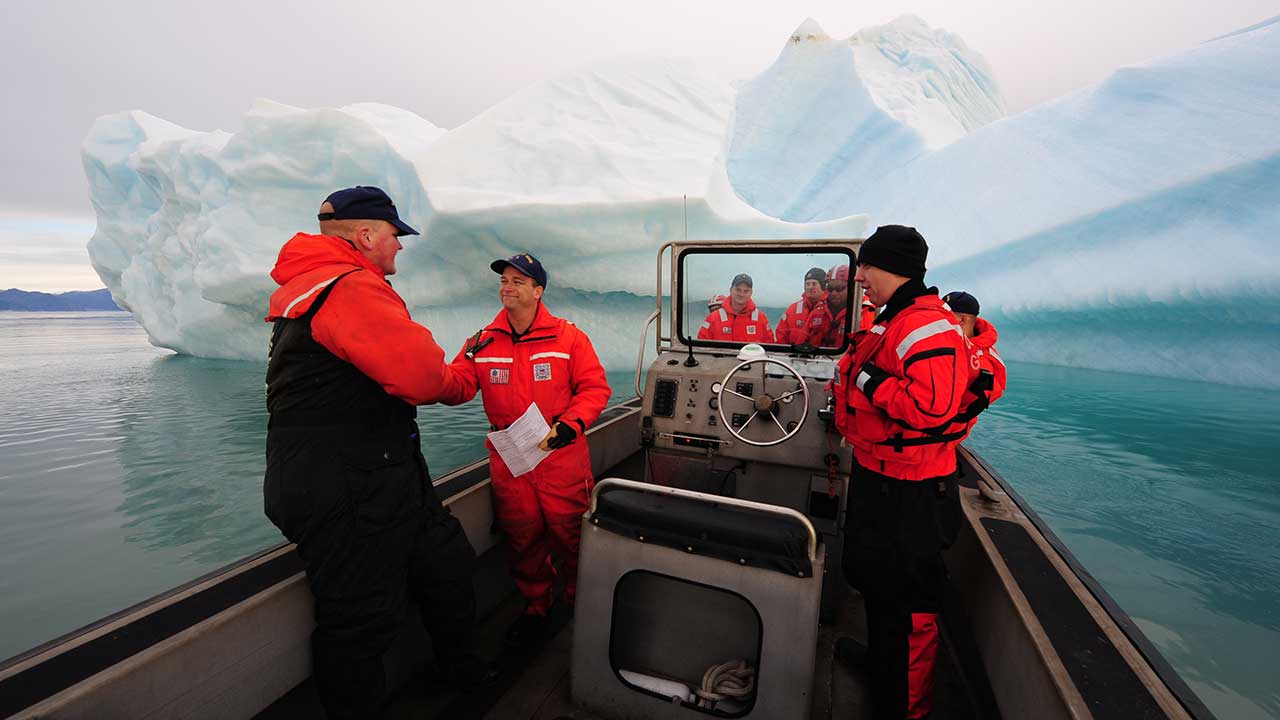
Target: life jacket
{"points": [[552, 363], [922, 344], [307, 385], [750, 325], [866, 318], [988, 380], [804, 321]]}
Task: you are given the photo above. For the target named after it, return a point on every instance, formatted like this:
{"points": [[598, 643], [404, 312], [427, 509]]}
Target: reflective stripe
{"points": [[937, 327], [878, 329], [797, 307], [724, 317], [862, 379], [996, 355], [306, 295], [563, 356], [755, 314], [494, 359], [706, 325]]}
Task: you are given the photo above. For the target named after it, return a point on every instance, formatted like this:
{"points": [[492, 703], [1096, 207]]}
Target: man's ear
{"points": [[537, 292], [363, 236]]}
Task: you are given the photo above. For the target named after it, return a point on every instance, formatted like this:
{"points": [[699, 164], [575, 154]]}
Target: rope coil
{"points": [[733, 680]]}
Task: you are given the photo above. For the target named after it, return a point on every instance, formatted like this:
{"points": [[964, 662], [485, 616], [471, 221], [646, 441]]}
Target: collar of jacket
{"points": [[727, 305], [542, 320], [304, 253], [903, 297], [985, 335]]}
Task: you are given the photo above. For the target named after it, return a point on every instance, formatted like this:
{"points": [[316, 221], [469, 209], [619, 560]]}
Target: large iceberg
{"points": [[1128, 226]]}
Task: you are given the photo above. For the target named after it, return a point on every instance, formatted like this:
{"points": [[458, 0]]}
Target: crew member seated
{"points": [[737, 319], [808, 320]]}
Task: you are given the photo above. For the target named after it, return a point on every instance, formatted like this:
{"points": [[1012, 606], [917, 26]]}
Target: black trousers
{"points": [[374, 536], [895, 531]]}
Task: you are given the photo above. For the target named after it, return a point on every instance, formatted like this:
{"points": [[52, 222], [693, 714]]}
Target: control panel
{"points": [[683, 408]]}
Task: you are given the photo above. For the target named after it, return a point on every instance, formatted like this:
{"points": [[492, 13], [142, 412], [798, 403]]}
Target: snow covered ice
{"points": [[1129, 226]]}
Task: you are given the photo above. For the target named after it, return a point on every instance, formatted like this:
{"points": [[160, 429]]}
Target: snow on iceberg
{"points": [[592, 172]]}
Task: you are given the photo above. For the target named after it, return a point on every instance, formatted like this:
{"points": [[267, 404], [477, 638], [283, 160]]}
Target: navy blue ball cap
{"points": [[961, 302], [525, 263], [365, 202]]}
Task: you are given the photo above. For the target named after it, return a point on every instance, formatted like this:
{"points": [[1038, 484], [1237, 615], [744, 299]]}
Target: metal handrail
{"points": [[644, 333], [709, 498]]}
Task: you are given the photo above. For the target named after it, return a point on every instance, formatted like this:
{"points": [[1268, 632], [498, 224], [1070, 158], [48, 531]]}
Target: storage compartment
{"points": [[667, 633]]}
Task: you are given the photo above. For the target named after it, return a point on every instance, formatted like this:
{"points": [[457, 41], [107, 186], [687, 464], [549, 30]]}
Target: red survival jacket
{"points": [[990, 360], [805, 321], [866, 318], [900, 429], [751, 325], [552, 364], [364, 321]]}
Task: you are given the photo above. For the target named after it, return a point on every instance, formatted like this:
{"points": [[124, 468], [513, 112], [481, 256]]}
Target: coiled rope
{"points": [[730, 680]]}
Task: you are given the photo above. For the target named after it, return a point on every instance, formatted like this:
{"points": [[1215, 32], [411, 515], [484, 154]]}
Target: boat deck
{"points": [[535, 685]]}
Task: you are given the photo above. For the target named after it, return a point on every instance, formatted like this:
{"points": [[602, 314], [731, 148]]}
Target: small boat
{"points": [[709, 585]]}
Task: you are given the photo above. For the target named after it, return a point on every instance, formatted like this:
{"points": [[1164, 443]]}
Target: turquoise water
{"points": [[1168, 492], [126, 470]]}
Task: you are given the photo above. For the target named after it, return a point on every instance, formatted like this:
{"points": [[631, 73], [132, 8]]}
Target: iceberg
{"points": [[592, 172], [1128, 226]]}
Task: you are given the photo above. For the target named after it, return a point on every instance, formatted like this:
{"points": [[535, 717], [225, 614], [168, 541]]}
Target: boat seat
{"points": [[743, 536], [673, 583]]}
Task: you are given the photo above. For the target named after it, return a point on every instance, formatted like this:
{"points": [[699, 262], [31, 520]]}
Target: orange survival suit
{"points": [[750, 325], [898, 388], [804, 321], [553, 364]]}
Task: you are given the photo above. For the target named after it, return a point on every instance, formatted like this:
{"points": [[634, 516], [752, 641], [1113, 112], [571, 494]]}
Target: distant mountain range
{"points": [[14, 299]]}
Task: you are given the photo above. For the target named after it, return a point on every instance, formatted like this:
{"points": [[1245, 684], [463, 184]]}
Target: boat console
{"points": [[718, 559]]}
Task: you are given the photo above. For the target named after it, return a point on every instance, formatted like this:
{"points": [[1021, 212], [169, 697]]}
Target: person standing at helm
{"points": [[346, 479], [528, 355], [904, 378], [736, 318], [807, 320]]}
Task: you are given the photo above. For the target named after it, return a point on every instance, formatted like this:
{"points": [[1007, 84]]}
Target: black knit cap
{"points": [[961, 302], [817, 273], [898, 249]]}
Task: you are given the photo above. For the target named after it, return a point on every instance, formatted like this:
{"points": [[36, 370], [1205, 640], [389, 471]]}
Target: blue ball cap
{"points": [[365, 202], [525, 263], [961, 302]]}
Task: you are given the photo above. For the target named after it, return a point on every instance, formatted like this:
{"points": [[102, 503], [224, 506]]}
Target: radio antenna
{"points": [[686, 217]]}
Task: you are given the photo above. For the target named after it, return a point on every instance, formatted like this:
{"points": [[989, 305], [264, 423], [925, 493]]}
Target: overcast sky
{"points": [[201, 65]]}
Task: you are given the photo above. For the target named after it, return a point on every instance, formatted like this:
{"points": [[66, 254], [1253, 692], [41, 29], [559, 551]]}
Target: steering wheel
{"points": [[763, 403]]}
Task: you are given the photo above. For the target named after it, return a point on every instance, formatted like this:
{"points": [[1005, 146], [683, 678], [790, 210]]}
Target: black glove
{"points": [[869, 378], [561, 435]]}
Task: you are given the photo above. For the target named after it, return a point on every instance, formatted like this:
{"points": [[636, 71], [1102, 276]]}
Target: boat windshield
{"points": [[792, 300]]}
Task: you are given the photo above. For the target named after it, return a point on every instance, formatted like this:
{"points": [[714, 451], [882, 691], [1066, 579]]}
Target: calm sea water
{"points": [[126, 470]]}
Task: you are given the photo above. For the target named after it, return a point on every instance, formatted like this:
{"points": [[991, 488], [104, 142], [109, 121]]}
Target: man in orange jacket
{"points": [[346, 479], [988, 379], [807, 320], [901, 385], [527, 355], [838, 302], [736, 318]]}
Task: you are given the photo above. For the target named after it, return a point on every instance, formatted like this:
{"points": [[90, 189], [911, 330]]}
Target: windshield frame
{"points": [[678, 299]]}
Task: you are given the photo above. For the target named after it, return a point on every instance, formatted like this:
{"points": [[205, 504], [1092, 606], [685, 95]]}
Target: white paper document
{"points": [[518, 444]]}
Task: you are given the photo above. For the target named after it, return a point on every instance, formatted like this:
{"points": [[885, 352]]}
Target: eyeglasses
{"points": [[837, 288]]}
